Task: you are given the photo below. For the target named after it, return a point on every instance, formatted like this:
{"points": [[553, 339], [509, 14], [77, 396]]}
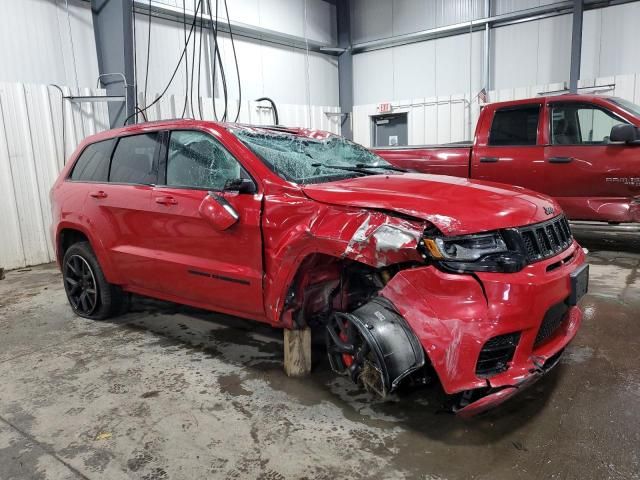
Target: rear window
{"points": [[134, 159], [515, 126], [93, 164]]}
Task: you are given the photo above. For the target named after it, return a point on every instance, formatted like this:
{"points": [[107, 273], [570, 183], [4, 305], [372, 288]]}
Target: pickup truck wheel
{"points": [[88, 292]]}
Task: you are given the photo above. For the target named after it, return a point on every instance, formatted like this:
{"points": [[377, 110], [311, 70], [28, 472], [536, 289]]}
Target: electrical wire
{"points": [[146, 74], [186, 60], [199, 65], [235, 59], [173, 75], [223, 78], [193, 62], [135, 58]]}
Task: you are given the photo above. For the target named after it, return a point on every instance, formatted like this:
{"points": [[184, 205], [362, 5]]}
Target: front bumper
{"points": [[454, 315]]}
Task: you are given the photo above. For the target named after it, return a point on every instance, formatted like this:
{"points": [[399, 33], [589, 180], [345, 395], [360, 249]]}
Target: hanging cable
{"points": [[214, 33], [173, 75], [135, 58], [186, 60], [235, 59], [308, 77], [146, 74], [193, 62], [199, 65], [223, 76], [73, 49]]}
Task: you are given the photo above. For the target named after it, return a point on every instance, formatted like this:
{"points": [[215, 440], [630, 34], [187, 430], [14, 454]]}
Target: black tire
{"points": [[88, 292]]}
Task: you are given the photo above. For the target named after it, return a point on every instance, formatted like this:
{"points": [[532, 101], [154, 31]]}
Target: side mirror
{"points": [[240, 185], [218, 212], [625, 133]]}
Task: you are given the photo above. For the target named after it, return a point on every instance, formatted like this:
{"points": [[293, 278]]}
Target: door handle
{"points": [[168, 200], [98, 194], [560, 159], [488, 159]]}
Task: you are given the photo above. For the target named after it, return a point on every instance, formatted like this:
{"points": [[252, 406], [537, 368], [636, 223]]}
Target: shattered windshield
{"points": [[303, 159]]}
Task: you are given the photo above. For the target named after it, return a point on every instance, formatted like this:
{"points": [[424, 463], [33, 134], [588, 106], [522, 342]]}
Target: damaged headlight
{"points": [[485, 252]]}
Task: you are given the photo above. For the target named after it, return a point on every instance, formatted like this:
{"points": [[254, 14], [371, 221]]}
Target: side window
{"points": [[581, 124], [195, 159], [133, 160], [93, 164], [515, 126]]}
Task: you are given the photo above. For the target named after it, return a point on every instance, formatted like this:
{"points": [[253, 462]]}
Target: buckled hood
{"points": [[456, 206]]}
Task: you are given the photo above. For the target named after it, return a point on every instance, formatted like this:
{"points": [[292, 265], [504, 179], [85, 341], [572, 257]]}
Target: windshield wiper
{"points": [[360, 170], [384, 167]]}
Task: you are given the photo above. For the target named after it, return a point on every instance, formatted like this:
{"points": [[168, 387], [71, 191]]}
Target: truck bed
{"points": [[449, 159]]}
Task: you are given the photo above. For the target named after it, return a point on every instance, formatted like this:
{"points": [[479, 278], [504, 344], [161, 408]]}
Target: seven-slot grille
{"points": [[546, 239]]}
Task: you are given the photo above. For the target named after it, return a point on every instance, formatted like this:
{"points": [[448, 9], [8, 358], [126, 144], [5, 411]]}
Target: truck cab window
{"points": [[576, 124], [515, 126], [197, 160]]}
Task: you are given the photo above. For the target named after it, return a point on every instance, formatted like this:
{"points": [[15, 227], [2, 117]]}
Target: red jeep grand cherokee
{"points": [[408, 273]]}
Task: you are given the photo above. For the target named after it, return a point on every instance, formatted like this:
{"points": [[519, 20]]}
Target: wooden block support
{"points": [[297, 352]]}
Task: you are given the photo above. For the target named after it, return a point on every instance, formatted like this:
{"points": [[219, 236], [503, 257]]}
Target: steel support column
{"points": [[487, 47], [345, 66], [113, 30], [576, 45]]}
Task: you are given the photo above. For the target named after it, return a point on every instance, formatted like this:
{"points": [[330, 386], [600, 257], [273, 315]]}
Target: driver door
{"points": [[594, 179], [197, 263]]}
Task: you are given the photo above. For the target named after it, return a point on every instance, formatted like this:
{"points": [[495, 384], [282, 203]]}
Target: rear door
{"points": [[588, 172], [221, 270], [119, 210], [512, 151]]}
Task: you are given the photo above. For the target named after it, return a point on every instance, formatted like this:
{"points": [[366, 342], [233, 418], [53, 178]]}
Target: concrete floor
{"points": [[171, 392]]}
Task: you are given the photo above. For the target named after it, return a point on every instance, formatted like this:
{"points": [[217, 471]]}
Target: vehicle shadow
{"points": [[258, 350]]}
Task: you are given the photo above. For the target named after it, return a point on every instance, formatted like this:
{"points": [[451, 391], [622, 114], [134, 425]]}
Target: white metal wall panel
{"points": [[36, 43], [371, 20], [508, 6], [609, 41], [30, 159], [434, 68], [376, 19], [373, 77], [413, 16], [449, 12], [413, 70], [535, 52]]}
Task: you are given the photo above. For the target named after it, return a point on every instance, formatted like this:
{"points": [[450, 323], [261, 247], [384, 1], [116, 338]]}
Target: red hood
{"points": [[455, 205]]}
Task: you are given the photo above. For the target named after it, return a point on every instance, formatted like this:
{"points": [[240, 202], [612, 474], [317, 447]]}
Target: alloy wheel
{"points": [[80, 285]]}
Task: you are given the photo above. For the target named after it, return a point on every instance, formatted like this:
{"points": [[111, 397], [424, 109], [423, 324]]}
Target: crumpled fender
{"points": [[295, 227], [393, 342]]}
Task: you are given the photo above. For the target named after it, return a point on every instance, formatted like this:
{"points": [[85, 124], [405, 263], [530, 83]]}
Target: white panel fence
{"points": [[452, 119], [32, 153]]}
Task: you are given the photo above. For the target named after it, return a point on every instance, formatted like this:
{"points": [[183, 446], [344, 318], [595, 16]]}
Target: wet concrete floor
{"points": [[168, 392]]}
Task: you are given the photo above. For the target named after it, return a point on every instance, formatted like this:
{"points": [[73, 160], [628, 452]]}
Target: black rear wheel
{"points": [[88, 292]]}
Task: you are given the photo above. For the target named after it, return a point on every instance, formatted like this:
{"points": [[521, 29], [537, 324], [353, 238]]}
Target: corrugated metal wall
{"points": [[450, 119], [31, 153]]}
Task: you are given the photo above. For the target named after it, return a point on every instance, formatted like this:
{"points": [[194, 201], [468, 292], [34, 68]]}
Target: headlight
{"points": [[486, 252]]}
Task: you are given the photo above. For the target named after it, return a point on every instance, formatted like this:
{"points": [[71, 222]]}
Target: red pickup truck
{"points": [[584, 150]]}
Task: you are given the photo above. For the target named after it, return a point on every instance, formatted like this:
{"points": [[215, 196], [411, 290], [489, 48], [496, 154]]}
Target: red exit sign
{"points": [[384, 108]]}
